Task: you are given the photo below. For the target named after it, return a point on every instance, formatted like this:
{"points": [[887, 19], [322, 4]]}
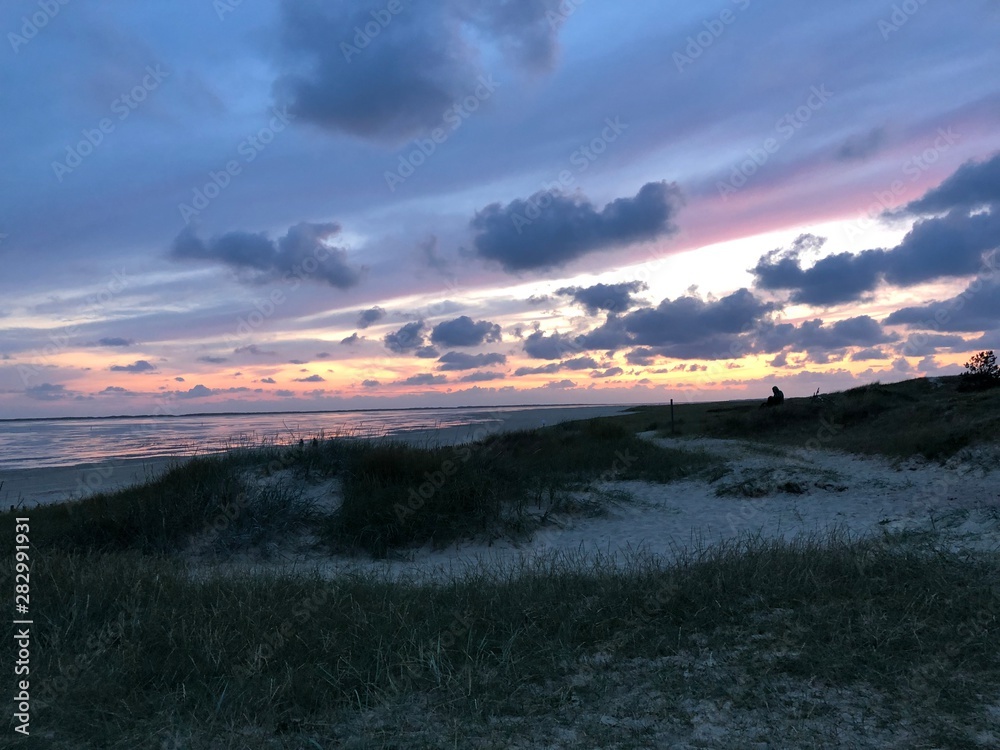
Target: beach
{"points": [[28, 487]]}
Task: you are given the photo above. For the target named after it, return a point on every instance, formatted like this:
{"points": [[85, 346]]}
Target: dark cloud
{"points": [[556, 346], [862, 330], [311, 379], [302, 253], [836, 278], [462, 361], [976, 308], [116, 390], [641, 357], [115, 342], [690, 327], [974, 184], [427, 352], [926, 344], [608, 297], [551, 229], [351, 340], [209, 360], [406, 339], [580, 363], [254, 350], [199, 391], [482, 377], [135, 368], [954, 245], [47, 392], [613, 372], [860, 147], [370, 383], [370, 317], [269, 381], [464, 331], [864, 355], [425, 378], [362, 69]]}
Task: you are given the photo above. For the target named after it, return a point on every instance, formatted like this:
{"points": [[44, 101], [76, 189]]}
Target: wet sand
{"points": [[26, 488]]}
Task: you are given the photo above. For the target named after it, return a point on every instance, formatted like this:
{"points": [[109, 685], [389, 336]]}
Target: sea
{"points": [[39, 443]]}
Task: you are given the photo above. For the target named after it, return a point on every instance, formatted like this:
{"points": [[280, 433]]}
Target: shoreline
{"points": [[31, 487]]}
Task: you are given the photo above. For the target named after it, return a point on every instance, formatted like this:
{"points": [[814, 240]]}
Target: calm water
{"points": [[67, 442]]}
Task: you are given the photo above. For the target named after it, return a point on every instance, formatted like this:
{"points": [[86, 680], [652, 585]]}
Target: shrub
{"points": [[981, 372]]}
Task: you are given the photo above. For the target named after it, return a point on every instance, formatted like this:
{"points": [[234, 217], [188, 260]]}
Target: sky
{"points": [[217, 205]]}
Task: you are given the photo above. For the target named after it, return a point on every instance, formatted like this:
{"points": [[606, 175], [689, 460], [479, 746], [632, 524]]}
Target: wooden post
{"points": [[672, 417]]}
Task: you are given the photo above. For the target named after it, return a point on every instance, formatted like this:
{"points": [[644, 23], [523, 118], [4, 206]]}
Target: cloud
{"points": [[311, 379], [550, 229], [115, 342], [427, 352], [642, 357], [199, 391], [351, 340], [556, 346], [613, 372], [284, 394], [860, 147], [116, 390], [212, 360], [254, 350], [370, 317], [608, 297], [864, 355], [425, 378], [371, 383], [302, 252], [47, 392], [953, 245], [362, 69], [580, 363], [135, 368], [976, 308], [482, 377], [269, 381], [406, 339], [464, 332], [461, 361], [974, 184], [690, 327]]}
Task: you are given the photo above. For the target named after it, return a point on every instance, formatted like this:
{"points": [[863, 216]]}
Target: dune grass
{"points": [[394, 494], [132, 652], [932, 418]]}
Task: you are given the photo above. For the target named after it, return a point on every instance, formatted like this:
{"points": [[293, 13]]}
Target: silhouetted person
{"points": [[777, 399]]}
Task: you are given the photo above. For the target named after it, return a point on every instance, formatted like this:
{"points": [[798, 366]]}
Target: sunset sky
{"points": [[283, 205]]}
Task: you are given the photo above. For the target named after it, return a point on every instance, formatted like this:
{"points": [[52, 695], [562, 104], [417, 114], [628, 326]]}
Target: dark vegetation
{"points": [[929, 417], [394, 494], [132, 653], [132, 650]]}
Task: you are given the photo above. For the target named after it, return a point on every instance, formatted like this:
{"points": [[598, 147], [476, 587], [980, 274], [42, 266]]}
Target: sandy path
{"points": [[769, 491]]}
